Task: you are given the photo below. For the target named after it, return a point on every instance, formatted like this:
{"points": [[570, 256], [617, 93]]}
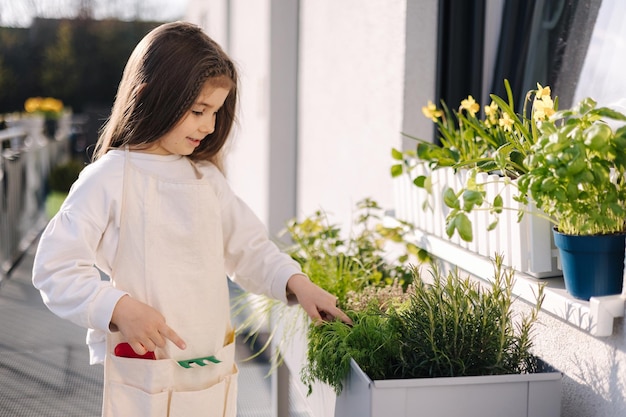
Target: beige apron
{"points": [[170, 256]]}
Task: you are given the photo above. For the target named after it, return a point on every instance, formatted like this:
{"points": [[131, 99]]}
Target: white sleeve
{"points": [[252, 259], [64, 267]]}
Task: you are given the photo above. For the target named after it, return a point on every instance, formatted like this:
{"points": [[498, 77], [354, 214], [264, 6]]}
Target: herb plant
{"points": [[448, 326], [342, 263], [370, 341], [576, 171], [576, 176]]}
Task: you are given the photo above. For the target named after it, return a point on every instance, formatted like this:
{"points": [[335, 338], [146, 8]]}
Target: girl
{"points": [[155, 213]]}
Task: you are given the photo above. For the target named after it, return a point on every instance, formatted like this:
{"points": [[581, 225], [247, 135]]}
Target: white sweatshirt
{"points": [[85, 232]]}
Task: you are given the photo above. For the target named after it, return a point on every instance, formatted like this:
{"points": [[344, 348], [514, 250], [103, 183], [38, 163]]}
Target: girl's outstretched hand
{"points": [[319, 304], [143, 327]]}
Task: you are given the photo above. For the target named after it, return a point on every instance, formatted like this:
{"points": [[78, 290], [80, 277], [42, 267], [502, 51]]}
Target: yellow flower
{"points": [[542, 92], [431, 111], [491, 111], [470, 105], [46, 105], [33, 104], [543, 109], [310, 227], [506, 122], [52, 105]]}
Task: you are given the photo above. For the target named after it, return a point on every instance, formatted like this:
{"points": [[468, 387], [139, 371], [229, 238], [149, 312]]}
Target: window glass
{"points": [[602, 76]]}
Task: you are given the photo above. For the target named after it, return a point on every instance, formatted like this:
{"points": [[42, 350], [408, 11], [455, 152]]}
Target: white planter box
{"points": [[527, 246], [524, 395], [291, 328]]}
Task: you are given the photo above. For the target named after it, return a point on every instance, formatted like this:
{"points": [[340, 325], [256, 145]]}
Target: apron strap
{"points": [[125, 180], [195, 168]]}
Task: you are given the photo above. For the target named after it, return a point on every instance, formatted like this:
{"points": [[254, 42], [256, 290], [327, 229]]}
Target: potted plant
{"points": [[444, 346], [393, 306], [576, 176], [51, 108], [468, 181], [572, 176]]}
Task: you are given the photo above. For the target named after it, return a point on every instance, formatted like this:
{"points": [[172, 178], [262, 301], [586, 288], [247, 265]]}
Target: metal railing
{"points": [[26, 157]]}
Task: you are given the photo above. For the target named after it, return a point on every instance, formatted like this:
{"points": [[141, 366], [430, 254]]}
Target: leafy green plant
{"points": [[60, 179], [370, 341], [576, 171], [343, 263], [447, 326], [62, 176], [575, 177], [499, 143], [340, 262], [453, 327]]}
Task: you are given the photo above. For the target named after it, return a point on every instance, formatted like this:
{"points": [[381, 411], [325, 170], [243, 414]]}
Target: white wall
{"points": [[210, 15], [248, 161], [351, 93], [594, 381]]}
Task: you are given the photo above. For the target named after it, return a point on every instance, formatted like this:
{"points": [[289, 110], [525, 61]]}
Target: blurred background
{"points": [[44, 43]]}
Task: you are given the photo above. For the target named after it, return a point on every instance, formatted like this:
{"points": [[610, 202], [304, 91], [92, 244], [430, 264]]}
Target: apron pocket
{"points": [[219, 400], [128, 401], [142, 387], [204, 403], [151, 376]]}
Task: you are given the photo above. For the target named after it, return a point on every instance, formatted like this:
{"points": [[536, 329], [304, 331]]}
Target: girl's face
{"points": [[194, 126]]}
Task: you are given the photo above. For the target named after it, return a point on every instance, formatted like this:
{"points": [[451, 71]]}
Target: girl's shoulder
{"points": [[105, 170], [208, 168], [97, 191]]}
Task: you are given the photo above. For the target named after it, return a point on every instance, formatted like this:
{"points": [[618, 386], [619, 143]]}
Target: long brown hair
{"points": [[161, 80]]}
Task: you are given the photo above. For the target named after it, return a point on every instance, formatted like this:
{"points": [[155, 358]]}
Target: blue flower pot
{"points": [[592, 266]]}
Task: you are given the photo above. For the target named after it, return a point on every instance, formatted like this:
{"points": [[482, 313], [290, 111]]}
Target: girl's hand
{"points": [[319, 304], [143, 327]]}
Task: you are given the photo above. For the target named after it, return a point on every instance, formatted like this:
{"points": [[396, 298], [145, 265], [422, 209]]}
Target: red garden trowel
{"points": [[125, 351]]}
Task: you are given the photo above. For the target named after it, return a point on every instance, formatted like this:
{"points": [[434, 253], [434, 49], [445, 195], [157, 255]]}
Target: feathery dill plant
{"points": [[369, 341]]}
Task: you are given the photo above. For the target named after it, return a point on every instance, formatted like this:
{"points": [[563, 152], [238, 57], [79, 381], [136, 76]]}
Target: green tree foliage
{"points": [[7, 80], [12, 63], [59, 77], [79, 61]]}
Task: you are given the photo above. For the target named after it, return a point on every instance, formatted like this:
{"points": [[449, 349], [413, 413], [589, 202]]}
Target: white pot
{"points": [[519, 395], [527, 246]]}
